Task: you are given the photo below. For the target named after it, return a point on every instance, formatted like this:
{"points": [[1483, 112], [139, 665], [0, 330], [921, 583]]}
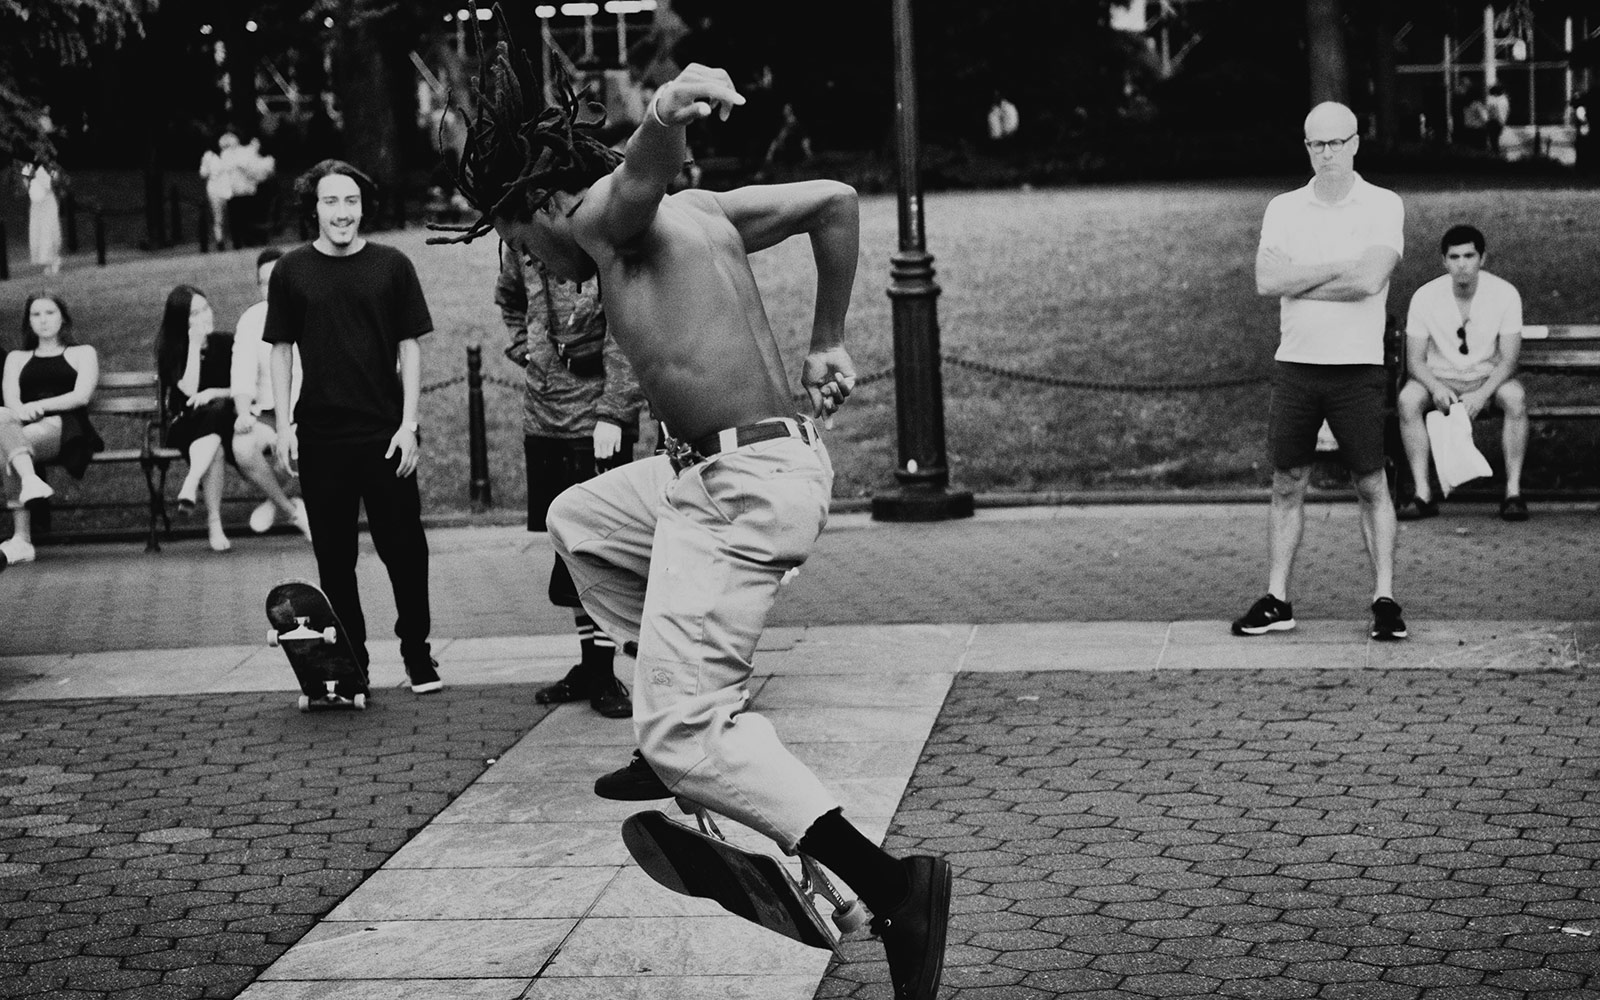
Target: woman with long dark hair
{"points": [[46, 388], [193, 362]]}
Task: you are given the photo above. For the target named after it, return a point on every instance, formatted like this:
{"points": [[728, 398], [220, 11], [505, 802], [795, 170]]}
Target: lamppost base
{"points": [[921, 505]]}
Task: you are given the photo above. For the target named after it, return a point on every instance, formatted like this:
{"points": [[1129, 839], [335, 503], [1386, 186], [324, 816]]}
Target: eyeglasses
{"points": [[1332, 145], [1461, 332]]}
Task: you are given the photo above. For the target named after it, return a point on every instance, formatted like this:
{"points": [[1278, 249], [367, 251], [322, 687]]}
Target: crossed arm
{"points": [[1277, 276], [81, 356]]}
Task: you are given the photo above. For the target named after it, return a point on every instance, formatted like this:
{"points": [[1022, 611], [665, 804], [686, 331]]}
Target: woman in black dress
{"points": [[45, 390], [193, 361]]}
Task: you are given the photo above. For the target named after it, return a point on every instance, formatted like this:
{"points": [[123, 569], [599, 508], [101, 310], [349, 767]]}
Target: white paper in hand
{"points": [[1455, 457]]}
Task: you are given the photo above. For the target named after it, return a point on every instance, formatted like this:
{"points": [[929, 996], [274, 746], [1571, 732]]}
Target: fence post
{"points": [[175, 208], [69, 215], [100, 236], [478, 489], [5, 258]]}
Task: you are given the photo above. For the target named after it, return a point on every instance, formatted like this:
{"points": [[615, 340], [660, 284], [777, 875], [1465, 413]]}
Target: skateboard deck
{"points": [[302, 622], [749, 884]]}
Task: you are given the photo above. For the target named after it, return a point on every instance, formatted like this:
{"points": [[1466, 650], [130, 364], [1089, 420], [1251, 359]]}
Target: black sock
{"points": [[871, 871], [599, 652]]}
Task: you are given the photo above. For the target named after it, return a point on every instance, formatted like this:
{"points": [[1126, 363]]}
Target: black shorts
{"points": [[1349, 397]]}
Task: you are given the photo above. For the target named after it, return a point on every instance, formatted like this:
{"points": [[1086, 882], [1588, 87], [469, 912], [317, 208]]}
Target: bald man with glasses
{"points": [[1327, 251]]}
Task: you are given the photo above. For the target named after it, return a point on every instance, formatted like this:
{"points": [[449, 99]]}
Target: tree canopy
{"points": [[42, 41]]}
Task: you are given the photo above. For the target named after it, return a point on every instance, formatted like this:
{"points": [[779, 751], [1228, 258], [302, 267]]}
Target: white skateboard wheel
{"points": [[852, 916], [330, 635], [272, 637], [304, 703], [360, 702]]}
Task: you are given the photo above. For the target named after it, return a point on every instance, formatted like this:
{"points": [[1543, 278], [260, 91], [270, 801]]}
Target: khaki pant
{"points": [[688, 564]]}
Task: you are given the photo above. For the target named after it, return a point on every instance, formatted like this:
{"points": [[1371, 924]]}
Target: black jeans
{"points": [[335, 481], [553, 465]]}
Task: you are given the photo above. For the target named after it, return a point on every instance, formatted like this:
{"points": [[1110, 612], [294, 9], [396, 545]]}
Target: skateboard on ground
{"points": [[753, 885], [302, 622]]}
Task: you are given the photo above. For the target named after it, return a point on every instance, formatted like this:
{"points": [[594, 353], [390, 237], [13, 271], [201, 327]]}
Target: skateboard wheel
{"points": [[272, 638], [852, 916], [360, 702], [330, 635], [305, 703]]}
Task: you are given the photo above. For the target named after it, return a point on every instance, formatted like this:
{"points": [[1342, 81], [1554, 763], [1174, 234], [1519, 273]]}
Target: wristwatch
{"points": [[410, 425]]}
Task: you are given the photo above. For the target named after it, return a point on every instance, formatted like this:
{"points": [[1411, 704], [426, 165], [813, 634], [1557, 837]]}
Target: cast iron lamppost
{"points": [[923, 474]]}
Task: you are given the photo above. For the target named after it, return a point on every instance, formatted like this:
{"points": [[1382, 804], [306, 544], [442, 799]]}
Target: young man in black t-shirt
{"points": [[355, 309]]}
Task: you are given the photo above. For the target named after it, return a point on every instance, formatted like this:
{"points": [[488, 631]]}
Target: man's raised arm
{"points": [[655, 153]]}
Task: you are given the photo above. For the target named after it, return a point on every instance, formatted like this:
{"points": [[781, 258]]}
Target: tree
{"points": [[1325, 48], [42, 40]]}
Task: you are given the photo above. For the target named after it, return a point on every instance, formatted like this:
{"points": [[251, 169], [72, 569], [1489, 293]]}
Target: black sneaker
{"points": [[913, 933], [635, 781], [1387, 624], [424, 676], [610, 699], [573, 687], [1266, 615]]}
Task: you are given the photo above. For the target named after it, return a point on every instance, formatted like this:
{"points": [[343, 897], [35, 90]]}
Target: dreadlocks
{"points": [[514, 160]]}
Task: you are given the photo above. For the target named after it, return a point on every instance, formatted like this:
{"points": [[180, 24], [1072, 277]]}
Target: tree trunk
{"points": [[1325, 50], [361, 79], [1385, 77]]}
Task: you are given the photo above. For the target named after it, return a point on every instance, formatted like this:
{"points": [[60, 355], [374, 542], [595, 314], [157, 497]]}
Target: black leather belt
{"points": [[684, 454]]}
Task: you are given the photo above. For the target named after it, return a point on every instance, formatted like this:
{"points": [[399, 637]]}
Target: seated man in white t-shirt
{"points": [[1463, 338], [255, 432]]}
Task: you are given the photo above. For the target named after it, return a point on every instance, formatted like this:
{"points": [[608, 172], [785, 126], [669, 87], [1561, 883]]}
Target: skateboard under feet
{"points": [[302, 623], [753, 885]]}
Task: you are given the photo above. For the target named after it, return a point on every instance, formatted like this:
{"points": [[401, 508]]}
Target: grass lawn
{"points": [[1146, 283]]}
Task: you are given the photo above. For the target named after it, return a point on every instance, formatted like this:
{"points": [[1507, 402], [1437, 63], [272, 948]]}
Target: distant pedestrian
{"points": [[44, 217], [45, 390], [1327, 251], [1475, 122], [355, 310], [580, 417], [219, 168], [1499, 108], [1003, 119]]}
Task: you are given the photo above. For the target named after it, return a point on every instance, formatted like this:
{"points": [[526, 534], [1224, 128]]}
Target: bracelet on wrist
{"points": [[655, 112]]}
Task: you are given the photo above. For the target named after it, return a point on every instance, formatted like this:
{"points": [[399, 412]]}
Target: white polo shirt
{"points": [[1312, 231], [1495, 312], [252, 361]]}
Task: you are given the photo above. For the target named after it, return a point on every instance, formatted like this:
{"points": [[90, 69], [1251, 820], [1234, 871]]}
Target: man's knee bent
{"points": [[565, 518], [1414, 400], [1512, 399]]}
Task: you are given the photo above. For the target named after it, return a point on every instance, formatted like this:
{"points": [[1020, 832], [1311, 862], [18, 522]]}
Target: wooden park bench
{"points": [[1570, 349], [130, 412]]}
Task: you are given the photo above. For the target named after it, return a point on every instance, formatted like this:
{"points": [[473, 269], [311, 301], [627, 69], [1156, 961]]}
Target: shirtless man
{"points": [[684, 551]]}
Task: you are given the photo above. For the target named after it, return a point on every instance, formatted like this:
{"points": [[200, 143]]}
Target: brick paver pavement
{"points": [[172, 848], [1131, 563], [1325, 834]]}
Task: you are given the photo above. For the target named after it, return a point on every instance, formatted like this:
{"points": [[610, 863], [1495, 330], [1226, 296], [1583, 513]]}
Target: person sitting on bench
{"points": [[46, 389], [1463, 338]]}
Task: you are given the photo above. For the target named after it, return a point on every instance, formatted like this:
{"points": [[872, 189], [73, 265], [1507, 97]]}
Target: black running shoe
{"points": [[635, 781], [610, 699], [913, 933], [573, 687], [1266, 615], [1387, 625], [423, 673]]}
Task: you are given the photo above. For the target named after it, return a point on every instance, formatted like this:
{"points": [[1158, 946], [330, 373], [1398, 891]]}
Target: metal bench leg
{"points": [[158, 506]]}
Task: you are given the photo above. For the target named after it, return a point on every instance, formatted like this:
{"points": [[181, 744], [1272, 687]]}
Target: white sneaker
{"points": [[300, 519], [17, 551], [263, 516], [34, 489]]}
